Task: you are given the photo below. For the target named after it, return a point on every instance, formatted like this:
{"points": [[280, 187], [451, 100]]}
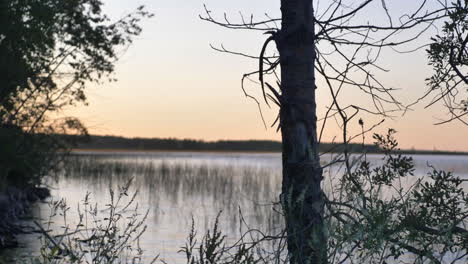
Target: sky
{"points": [[171, 84]]}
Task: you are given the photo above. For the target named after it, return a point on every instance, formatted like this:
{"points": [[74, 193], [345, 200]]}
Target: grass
{"points": [[226, 187]]}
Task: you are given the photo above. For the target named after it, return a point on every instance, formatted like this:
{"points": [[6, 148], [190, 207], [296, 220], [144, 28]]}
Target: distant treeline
{"points": [[149, 144], [114, 142]]}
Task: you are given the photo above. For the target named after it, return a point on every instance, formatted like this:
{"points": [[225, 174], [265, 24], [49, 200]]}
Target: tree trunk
{"points": [[301, 196]]}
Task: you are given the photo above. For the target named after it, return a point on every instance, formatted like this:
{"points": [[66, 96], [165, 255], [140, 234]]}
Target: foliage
{"points": [[212, 248], [448, 55], [49, 51], [114, 237], [385, 213], [100, 236]]}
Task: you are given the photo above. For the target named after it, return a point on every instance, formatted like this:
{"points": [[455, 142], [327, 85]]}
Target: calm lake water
{"points": [[176, 186]]}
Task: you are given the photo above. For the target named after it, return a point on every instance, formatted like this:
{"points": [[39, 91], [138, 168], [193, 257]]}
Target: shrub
{"points": [[100, 236]]}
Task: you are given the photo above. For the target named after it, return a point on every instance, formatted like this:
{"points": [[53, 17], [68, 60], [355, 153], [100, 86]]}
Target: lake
{"points": [[175, 187]]}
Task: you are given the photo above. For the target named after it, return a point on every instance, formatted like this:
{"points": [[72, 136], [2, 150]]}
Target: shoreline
{"points": [[172, 150], [118, 150]]}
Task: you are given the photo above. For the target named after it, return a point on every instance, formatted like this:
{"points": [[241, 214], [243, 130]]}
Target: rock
{"points": [[42, 192], [37, 193], [14, 203]]}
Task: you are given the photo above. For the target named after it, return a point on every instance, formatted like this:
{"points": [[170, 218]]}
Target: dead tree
{"points": [[343, 31]]}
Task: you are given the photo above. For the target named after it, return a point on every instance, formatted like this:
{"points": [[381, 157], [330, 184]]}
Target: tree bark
{"points": [[303, 202]]}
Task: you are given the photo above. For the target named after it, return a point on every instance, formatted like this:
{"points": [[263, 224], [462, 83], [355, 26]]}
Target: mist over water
{"points": [[176, 186]]}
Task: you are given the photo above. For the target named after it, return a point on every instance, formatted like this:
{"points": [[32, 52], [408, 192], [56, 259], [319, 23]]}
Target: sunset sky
{"points": [[172, 84]]}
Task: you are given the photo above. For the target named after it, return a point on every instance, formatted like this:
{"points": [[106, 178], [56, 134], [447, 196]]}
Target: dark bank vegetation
{"points": [[49, 51]]}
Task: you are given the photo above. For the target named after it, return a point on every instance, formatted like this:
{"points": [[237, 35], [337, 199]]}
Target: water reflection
{"points": [[176, 186]]}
